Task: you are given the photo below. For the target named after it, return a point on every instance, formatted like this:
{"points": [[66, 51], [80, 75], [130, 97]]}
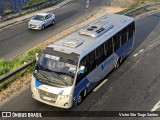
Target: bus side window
{"points": [[131, 30], [110, 45], [108, 48], [116, 40], [100, 54], [124, 36], [92, 61], [83, 62], [102, 51]]}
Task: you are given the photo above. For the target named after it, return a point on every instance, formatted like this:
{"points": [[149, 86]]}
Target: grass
{"points": [[7, 66], [7, 83], [7, 11]]}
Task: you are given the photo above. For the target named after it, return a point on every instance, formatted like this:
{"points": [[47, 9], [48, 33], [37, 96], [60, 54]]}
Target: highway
{"points": [[133, 87], [17, 39]]}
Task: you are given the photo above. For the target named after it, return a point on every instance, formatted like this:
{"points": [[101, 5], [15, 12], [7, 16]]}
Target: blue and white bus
{"points": [[67, 70]]}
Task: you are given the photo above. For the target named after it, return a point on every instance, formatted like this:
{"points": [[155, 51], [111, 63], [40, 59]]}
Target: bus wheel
{"points": [[85, 93], [118, 64], [79, 99]]}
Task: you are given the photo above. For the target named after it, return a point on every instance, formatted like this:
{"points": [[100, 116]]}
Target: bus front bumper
{"points": [[61, 101]]}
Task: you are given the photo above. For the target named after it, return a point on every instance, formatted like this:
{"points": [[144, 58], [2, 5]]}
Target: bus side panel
{"points": [[94, 77], [125, 49], [85, 84]]}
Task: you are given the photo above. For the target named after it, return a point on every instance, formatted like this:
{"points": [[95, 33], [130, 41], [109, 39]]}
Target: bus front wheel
{"points": [[79, 99], [118, 64], [81, 96]]}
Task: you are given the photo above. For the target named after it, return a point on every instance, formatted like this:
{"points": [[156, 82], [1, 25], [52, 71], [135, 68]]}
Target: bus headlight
{"points": [[34, 88], [64, 96]]}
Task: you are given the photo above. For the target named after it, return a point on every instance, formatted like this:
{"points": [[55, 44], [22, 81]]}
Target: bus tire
{"points": [[81, 96], [84, 93], [79, 99], [121, 60], [117, 65]]}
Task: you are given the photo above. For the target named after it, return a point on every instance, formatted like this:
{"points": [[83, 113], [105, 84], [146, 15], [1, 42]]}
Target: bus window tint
{"points": [[108, 48], [100, 54], [130, 30], [116, 40], [84, 62], [124, 36], [92, 61]]}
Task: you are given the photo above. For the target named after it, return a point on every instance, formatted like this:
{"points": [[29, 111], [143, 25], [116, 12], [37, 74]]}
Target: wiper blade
{"points": [[66, 74], [39, 75], [61, 78], [43, 74]]}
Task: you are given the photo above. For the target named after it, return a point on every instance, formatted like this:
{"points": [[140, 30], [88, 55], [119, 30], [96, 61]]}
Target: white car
{"points": [[41, 20]]}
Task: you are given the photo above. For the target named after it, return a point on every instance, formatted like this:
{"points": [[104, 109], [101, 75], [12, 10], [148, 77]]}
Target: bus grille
{"points": [[51, 97]]}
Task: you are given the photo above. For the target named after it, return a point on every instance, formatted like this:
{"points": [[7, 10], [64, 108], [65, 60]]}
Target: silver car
{"points": [[41, 20]]}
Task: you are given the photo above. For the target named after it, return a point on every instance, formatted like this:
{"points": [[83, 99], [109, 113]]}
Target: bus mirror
{"points": [[82, 69], [37, 56]]}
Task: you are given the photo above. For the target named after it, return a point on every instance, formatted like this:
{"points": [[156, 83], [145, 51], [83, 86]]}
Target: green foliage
{"points": [[7, 11], [33, 2], [7, 66], [5, 85]]}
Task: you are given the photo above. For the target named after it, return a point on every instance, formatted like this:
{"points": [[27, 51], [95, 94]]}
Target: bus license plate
{"points": [[47, 98]]}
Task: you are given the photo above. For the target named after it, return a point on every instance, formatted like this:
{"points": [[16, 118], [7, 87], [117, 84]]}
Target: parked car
{"points": [[41, 20]]}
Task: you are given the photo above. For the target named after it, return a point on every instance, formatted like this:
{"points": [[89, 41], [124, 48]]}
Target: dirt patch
{"points": [[16, 87]]}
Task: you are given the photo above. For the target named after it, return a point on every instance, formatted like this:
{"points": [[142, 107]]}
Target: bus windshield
{"points": [[55, 70]]}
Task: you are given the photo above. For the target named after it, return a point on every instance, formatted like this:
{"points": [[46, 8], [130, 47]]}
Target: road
{"points": [[133, 87], [17, 39]]}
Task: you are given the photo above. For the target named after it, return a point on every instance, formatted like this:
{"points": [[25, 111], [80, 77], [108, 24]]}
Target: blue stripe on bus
{"points": [[121, 52], [125, 49], [38, 83], [81, 86]]}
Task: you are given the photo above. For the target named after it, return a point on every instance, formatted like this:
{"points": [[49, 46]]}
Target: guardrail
{"points": [[27, 10], [142, 7], [3, 79]]}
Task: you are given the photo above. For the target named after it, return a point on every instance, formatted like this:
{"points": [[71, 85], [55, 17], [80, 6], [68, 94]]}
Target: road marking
{"points": [[135, 55], [138, 53], [157, 106], [95, 89], [141, 50]]}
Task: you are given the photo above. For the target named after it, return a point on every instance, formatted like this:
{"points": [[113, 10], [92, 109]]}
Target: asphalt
{"points": [[133, 87], [17, 39], [14, 21]]}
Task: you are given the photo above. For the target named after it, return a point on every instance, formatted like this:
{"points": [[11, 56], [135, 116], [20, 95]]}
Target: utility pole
{"points": [[87, 6]]}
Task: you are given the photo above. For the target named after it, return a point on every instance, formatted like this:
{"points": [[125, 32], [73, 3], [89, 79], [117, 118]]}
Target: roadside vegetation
{"points": [[33, 2], [7, 11], [7, 66]]}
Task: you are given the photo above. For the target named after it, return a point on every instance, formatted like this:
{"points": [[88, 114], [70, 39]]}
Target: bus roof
{"points": [[92, 35]]}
